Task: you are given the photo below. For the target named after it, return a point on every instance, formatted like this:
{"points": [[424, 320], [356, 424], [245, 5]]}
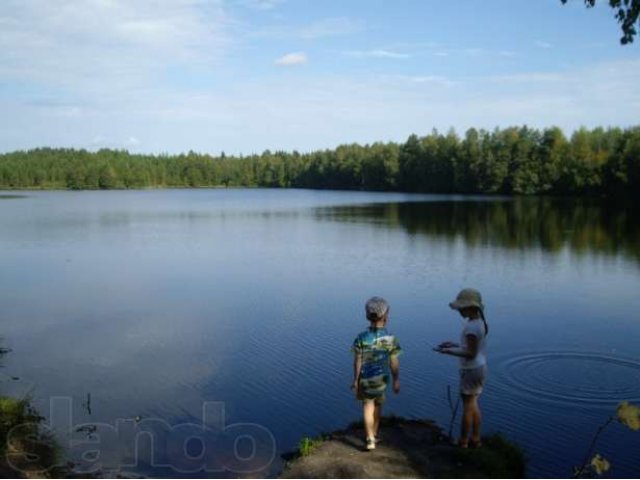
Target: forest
{"points": [[511, 161]]}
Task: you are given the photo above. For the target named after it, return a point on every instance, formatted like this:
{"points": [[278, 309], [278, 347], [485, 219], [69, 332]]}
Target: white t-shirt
{"points": [[475, 328]]}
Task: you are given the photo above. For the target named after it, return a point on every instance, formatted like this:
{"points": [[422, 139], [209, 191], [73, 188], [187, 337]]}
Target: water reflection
{"points": [[548, 224], [155, 302], [10, 196]]}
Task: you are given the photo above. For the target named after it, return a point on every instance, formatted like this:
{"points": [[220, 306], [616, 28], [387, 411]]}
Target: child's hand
{"points": [[354, 385], [396, 386], [447, 345]]}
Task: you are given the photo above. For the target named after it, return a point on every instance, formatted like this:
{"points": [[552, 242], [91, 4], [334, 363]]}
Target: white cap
{"points": [[376, 308]]}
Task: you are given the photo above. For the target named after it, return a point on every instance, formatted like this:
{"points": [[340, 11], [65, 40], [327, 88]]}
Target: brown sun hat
{"points": [[468, 297]]}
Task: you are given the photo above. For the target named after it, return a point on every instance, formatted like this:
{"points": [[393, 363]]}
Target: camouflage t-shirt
{"points": [[376, 346]]}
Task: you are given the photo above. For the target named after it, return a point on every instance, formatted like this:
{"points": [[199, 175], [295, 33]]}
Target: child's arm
{"points": [[469, 353], [357, 365], [394, 363]]}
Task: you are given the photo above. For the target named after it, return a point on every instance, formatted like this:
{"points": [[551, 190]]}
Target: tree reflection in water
{"points": [[584, 226]]}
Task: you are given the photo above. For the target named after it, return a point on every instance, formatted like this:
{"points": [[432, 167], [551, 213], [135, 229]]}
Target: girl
{"points": [[473, 361]]}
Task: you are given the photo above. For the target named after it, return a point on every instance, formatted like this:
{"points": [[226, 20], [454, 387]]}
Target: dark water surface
{"points": [[154, 302]]}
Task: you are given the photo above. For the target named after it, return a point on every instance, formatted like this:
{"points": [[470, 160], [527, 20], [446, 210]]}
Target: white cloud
{"points": [[331, 27], [88, 46], [291, 59], [326, 110], [328, 27], [261, 5], [474, 51], [432, 79], [377, 54], [417, 45], [97, 142], [541, 44], [73, 69], [101, 141], [540, 78]]}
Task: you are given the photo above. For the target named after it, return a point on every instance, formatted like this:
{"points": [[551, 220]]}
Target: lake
{"points": [[145, 306]]}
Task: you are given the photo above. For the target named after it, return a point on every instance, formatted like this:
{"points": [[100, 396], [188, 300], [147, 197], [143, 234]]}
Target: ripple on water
{"points": [[578, 378]]}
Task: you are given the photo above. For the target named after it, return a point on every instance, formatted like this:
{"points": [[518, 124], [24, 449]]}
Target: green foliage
{"points": [[25, 448], [628, 415], [22, 443], [597, 227], [599, 464], [626, 12], [307, 445], [498, 458], [515, 160]]}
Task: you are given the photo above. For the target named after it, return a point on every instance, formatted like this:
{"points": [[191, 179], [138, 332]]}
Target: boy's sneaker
{"points": [[371, 443]]}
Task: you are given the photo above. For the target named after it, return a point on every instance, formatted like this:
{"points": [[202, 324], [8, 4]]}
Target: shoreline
{"points": [[410, 448]]}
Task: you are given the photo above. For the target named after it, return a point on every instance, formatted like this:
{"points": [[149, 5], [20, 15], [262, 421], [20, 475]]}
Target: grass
{"points": [[412, 445], [24, 448], [498, 458], [307, 445]]}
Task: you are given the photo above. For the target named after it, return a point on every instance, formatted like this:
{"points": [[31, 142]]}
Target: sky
{"points": [[243, 76]]}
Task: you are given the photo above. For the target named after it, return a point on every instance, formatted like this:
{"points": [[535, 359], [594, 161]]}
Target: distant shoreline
{"points": [[19, 190], [510, 161]]}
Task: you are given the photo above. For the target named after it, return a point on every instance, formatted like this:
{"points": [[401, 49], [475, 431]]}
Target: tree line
{"points": [[512, 161]]}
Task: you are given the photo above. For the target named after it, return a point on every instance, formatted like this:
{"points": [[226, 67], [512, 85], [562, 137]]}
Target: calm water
{"points": [[154, 302]]}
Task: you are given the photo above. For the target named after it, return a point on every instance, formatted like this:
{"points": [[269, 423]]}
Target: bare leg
{"points": [[467, 419], [477, 421], [368, 410], [376, 419]]}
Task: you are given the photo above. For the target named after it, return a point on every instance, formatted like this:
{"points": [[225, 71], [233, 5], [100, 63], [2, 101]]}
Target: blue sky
{"points": [[242, 76]]}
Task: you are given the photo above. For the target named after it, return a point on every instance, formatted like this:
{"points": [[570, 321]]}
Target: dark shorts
{"points": [[373, 389], [377, 399], [376, 394]]}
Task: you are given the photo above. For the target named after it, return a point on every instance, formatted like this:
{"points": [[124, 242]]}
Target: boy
{"points": [[376, 354]]}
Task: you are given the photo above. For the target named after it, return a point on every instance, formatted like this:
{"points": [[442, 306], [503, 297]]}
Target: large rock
{"points": [[409, 449]]}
